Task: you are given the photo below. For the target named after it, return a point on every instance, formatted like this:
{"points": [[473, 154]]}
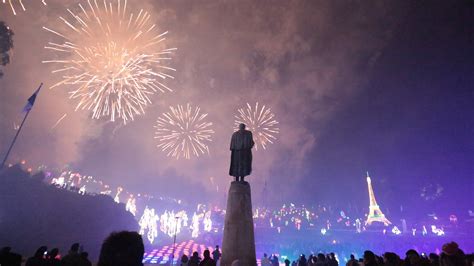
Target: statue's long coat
{"points": [[241, 157]]}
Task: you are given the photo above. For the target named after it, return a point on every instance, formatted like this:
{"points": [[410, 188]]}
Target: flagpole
{"points": [[17, 133]]}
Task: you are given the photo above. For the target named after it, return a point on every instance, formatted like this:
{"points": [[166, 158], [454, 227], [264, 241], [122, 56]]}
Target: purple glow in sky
{"points": [[356, 86]]}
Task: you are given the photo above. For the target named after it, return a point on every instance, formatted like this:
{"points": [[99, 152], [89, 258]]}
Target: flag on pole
{"points": [[31, 100]]}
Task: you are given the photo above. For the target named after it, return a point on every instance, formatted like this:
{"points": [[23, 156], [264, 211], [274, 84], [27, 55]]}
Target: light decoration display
{"points": [[117, 195], [437, 231], [195, 226], [131, 205], [323, 231], [164, 255], [82, 190], [60, 181], [149, 224], [18, 3], [171, 223], [112, 59], [375, 214], [207, 222], [261, 121], [183, 132], [396, 231]]}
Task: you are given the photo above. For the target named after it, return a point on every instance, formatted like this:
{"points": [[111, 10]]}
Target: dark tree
{"points": [[6, 44]]}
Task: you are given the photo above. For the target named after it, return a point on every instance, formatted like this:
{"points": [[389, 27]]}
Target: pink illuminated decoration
{"points": [[164, 254]]}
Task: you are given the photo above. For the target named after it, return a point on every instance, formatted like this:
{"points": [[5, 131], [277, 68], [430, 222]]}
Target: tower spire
{"points": [[375, 214]]}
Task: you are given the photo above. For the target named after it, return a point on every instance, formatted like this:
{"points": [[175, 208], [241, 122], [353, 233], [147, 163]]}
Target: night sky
{"points": [[384, 87]]}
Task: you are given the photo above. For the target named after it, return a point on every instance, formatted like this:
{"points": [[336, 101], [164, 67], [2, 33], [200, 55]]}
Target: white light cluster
{"points": [[149, 223]]}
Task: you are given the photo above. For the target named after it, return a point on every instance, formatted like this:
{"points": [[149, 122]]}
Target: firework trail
{"points": [[111, 59], [261, 121], [59, 121], [20, 4], [183, 131]]}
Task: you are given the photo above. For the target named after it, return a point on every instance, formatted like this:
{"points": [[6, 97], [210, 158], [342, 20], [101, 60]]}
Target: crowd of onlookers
{"points": [[127, 249], [451, 255], [118, 249]]}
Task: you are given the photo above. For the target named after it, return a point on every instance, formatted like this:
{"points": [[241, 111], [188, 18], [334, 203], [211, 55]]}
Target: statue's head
{"points": [[242, 126]]}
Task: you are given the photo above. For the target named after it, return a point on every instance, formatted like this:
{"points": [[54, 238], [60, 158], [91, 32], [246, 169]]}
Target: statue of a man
{"points": [[241, 159]]}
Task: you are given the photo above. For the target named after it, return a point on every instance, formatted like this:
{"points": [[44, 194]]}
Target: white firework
{"points": [[111, 60], [261, 121], [183, 132]]}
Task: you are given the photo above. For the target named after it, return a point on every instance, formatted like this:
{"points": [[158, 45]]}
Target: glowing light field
{"points": [[114, 60]]}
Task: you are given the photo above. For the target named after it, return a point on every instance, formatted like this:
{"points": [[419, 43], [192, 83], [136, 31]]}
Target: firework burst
{"points": [[113, 60], [261, 121], [183, 132], [19, 4]]}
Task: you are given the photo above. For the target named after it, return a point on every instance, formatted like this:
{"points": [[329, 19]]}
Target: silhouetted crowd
{"points": [[451, 255], [118, 249], [127, 249]]}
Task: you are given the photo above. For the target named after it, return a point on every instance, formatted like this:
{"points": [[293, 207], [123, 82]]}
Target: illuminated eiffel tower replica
{"points": [[375, 214]]}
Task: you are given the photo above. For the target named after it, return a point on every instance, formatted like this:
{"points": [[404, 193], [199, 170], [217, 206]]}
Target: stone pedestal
{"points": [[239, 242]]}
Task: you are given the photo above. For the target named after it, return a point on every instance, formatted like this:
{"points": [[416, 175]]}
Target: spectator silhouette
{"points": [[85, 259], [287, 262], [265, 260], [9, 258], [216, 254], [38, 258], [73, 257], [122, 249], [332, 260], [274, 260], [194, 260], [207, 261], [51, 259], [451, 255], [302, 261], [184, 260], [434, 259], [352, 261], [369, 258], [412, 258], [321, 260], [391, 259]]}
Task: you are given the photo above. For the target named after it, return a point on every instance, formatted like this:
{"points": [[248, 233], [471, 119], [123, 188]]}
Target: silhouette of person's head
{"points": [[207, 254], [40, 251], [184, 258], [85, 255], [217, 246], [352, 257], [369, 256], [53, 253], [321, 257], [5, 250], [195, 254], [122, 249], [242, 126], [74, 248]]}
